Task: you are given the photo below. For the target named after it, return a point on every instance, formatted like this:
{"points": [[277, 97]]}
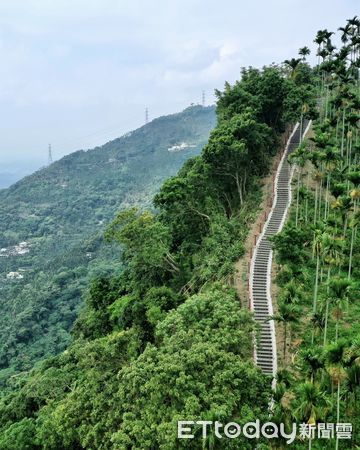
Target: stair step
{"points": [[264, 344]]}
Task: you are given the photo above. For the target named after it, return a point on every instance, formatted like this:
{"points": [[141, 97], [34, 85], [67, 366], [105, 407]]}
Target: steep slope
{"points": [[100, 181], [57, 214], [167, 338]]}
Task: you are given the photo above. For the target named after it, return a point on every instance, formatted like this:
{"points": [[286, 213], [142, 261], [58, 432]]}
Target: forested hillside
{"points": [[51, 225], [167, 338]]}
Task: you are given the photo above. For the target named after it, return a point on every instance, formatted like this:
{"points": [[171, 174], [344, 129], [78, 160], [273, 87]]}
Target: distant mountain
{"points": [[57, 215], [11, 172], [9, 178]]}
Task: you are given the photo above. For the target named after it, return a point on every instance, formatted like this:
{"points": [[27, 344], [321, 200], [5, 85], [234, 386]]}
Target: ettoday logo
{"points": [[232, 430], [267, 430]]}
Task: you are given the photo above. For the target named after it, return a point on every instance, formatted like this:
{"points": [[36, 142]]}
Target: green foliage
{"points": [[95, 321], [291, 244], [166, 339], [20, 435], [199, 367], [146, 244], [61, 211]]}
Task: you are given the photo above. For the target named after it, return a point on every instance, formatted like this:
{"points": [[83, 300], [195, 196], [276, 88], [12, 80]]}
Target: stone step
{"points": [[264, 345]]}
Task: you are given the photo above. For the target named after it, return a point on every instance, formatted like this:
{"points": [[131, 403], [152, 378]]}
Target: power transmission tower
{"points": [[146, 116], [50, 158], [203, 98]]}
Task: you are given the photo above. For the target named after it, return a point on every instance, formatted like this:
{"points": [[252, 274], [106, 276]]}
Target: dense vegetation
{"points": [[61, 212], [167, 339], [318, 254]]}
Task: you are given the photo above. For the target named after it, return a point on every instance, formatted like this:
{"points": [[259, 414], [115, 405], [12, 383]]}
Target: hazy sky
{"points": [[77, 73]]}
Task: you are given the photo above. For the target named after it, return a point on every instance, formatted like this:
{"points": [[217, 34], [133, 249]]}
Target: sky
{"points": [[77, 73]]}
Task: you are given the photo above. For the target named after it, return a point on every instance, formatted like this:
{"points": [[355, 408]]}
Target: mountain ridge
{"points": [[60, 211]]}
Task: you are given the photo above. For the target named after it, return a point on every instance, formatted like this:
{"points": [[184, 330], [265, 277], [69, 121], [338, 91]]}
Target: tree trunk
{"points": [[327, 200], [326, 103], [238, 185], [297, 198], [349, 162], [337, 411], [345, 224], [316, 201], [327, 308], [342, 136], [337, 329], [228, 208], [306, 198], [353, 236], [320, 194], [316, 287], [244, 182]]}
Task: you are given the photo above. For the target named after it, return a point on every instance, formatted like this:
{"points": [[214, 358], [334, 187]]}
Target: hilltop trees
{"points": [[167, 338], [237, 150], [304, 52]]}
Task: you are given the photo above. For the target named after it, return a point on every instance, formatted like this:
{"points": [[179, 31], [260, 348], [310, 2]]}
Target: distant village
{"points": [[20, 249], [17, 250], [182, 146]]}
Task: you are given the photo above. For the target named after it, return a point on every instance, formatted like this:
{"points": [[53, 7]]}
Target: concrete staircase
{"points": [[260, 272]]}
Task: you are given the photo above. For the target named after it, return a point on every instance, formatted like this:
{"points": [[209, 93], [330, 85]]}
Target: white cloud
{"points": [[71, 67]]}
